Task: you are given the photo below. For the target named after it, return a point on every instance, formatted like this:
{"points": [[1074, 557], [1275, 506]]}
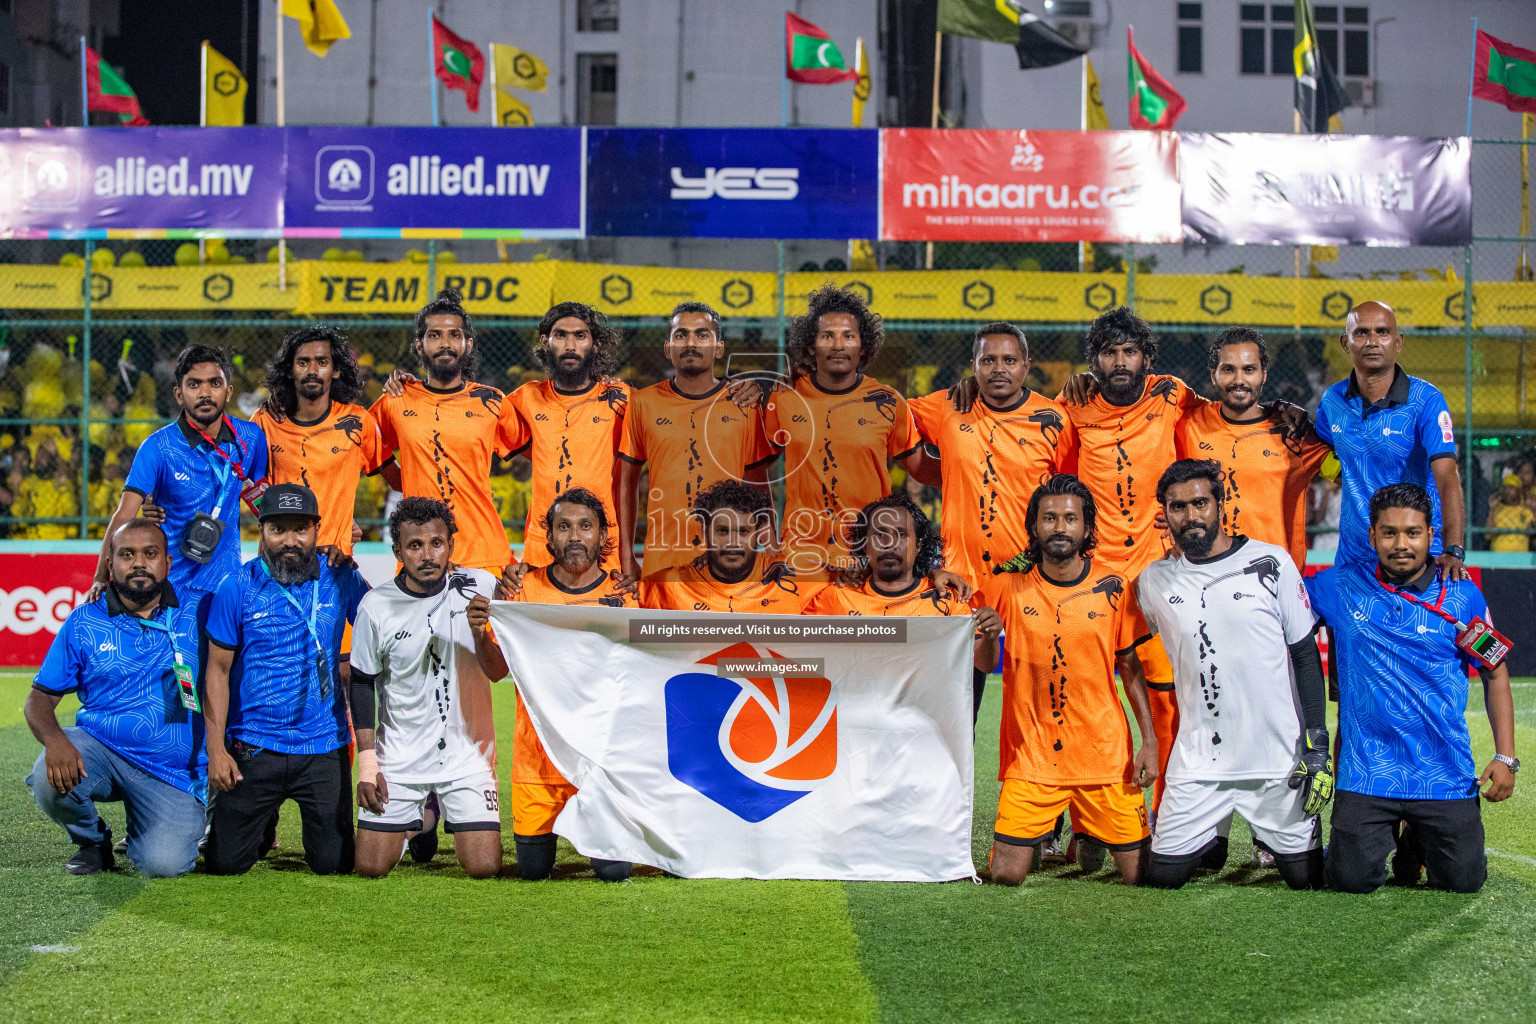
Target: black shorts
{"points": [[1447, 839]]}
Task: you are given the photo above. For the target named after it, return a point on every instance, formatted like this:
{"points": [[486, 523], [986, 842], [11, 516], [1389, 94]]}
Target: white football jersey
{"points": [[434, 719], [1226, 624]]}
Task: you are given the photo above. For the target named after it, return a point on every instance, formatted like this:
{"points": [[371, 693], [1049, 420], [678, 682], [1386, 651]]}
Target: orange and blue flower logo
{"points": [[753, 747]]}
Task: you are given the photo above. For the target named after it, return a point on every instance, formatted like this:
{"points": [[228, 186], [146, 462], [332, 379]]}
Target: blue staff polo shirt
{"points": [[279, 699], [1402, 684], [1392, 441], [176, 468], [120, 666]]}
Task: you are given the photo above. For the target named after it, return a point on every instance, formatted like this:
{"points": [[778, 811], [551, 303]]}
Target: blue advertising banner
{"points": [[448, 182], [734, 182], [89, 182]]}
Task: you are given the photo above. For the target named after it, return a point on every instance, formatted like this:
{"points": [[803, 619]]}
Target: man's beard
{"points": [[1197, 539], [312, 388], [444, 366], [203, 415], [290, 565], [575, 558], [426, 574], [1123, 394], [570, 376], [1059, 547], [886, 570], [1241, 402], [137, 588]]}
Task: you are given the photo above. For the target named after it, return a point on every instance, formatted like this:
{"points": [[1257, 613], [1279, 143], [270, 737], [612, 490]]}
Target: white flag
{"points": [[862, 773]]}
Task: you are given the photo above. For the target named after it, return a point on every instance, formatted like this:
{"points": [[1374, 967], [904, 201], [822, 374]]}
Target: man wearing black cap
{"points": [[276, 716]]}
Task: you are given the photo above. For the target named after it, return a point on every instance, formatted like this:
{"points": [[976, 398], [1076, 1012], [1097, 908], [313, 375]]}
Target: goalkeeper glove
{"points": [[1018, 563], [1314, 772]]}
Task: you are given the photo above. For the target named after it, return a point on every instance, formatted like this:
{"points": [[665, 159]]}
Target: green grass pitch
{"points": [[427, 944]]}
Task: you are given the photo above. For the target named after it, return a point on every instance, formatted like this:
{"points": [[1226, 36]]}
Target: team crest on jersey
{"points": [[489, 397], [1167, 388], [937, 598], [779, 574], [462, 584], [352, 426], [614, 396], [1050, 424]]}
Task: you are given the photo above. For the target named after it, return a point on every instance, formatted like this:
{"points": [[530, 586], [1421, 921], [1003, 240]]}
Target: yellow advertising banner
{"points": [[970, 294], [654, 291], [231, 286], [29, 287], [500, 289]]}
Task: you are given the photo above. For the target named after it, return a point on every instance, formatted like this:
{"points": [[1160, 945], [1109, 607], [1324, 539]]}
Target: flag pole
{"points": [[202, 89], [432, 63], [933, 120], [1082, 123], [1472, 77], [85, 100], [490, 48], [282, 119]]}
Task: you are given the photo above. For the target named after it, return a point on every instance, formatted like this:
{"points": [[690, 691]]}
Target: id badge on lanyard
{"points": [[1478, 640], [322, 663], [252, 490], [186, 683]]}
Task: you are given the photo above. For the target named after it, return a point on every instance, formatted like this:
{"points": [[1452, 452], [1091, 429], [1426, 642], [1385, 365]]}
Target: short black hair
{"points": [[929, 547], [695, 307], [1185, 470], [419, 512], [748, 499], [1062, 484], [829, 298], [999, 327], [589, 501], [1239, 336], [196, 355], [1117, 326], [605, 339], [346, 383], [138, 523], [1402, 496], [450, 302]]}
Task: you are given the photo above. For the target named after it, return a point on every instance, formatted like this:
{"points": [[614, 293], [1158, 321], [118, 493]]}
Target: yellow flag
{"points": [[223, 89], [1095, 117], [512, 112], [861, 256], [862, 87], [514, 67], [320, 21]]}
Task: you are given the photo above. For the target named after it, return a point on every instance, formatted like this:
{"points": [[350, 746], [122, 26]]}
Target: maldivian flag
{"points": [[319, 21], [810, 55], [518, 68], [106, 91], [460, 64], [512, 112], [1095, 117], [224, 89], [863, 85], [1154, 103], [1504, 73]]}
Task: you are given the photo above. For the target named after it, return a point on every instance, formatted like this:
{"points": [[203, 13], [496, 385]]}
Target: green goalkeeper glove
{"points": [[1314, 772], [1018, 563]]}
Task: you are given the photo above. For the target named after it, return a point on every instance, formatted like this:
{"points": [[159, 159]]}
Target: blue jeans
{"points": [[164, 823]]}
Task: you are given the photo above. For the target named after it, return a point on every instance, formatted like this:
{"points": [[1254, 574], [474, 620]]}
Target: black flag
{"points": [[1319, 95], [1041, 46]]}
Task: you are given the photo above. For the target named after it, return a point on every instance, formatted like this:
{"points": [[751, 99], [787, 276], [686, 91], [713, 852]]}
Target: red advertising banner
{"points": [[37, 593], [953, 185]]}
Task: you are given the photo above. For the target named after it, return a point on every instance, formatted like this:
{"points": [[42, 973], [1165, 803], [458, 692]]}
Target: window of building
{"points": [[597, 16], [1191, 39], [1357, 42], [5, 88], [597, 88], [1267, 38]]}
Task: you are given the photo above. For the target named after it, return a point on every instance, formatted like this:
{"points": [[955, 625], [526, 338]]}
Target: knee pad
{"points": [[1301, 870], [610, 870], [535, 856]]}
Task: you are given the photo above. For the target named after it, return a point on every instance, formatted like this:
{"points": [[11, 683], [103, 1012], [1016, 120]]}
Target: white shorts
{"points": [[1193, 813], [470, 804]]}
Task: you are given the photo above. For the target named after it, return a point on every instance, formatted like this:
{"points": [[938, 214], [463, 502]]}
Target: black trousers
{"points": [[321, 784], [1449, 837]]}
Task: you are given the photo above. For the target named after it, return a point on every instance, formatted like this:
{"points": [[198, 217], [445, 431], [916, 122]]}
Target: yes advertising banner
{"points": [[1326, 189], [1036, 186], [358, 181], [63, 181], [733, 182]]}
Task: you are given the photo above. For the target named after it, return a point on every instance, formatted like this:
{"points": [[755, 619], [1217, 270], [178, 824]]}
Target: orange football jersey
{"points": [[836, 446], [690, 443], [1062, 720], [772, 588], [992, 461], [329, 456], [1121, 453], [529, 761], [1267, 475], [444, 441], [921, 598], [572, 441]]}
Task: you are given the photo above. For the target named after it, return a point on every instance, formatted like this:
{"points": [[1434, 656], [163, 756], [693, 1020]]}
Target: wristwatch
{"points": [[1456, 551], [1512, 762]]}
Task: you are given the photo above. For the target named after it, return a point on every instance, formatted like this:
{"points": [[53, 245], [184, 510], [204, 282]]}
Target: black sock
{"points": [[1214, 858], [610, 870], [535, 856], [1301, 870]]}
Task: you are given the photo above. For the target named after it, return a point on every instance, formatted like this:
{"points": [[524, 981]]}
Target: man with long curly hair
{"points": [[317, 435], [1071, 625], [836, 427]]}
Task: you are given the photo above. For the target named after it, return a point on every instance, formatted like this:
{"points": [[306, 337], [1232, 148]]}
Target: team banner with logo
{"points": [[1029, 186], [502, 289], [83, 182], [442, 182], [1326, 189], [655, 291], [862, 771], [733, 182]]}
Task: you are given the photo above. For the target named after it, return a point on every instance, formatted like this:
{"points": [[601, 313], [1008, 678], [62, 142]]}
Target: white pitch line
{"points": [[1519, 857]]}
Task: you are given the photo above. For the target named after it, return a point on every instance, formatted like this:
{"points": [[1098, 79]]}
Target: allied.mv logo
{"points": [[753, 747], [344, 175]]}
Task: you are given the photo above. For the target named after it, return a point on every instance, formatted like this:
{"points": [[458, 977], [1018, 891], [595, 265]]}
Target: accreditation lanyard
{"points": [[186, 685], [1435, 608], [221, 470], [322, 663]]}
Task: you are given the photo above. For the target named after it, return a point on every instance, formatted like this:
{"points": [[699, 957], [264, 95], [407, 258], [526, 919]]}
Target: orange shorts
{"points": [[1154, 661], [1113, 813], [346, 641], [536, 805]]}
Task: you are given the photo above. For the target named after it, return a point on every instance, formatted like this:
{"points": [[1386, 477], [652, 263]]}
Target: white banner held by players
{"points": [[865, 773]]}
